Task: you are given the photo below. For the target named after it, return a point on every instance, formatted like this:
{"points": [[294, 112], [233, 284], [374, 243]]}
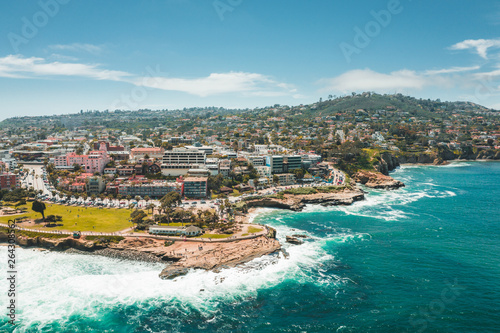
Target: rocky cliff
{"points": [[376, 180], [387, 163], [298, 202], [443, 154], [216, 256]]}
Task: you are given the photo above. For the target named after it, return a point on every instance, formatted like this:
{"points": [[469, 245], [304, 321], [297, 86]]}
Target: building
{"points": [[155, 189], [105, 146], [152, 152], [9, 181], [257, 160], [180, 140], [175, 231], [283, 163], [286, 178], [95, 161], [178, 161], [195, 187], [275, 163], [292, 162], [208, 150], [95, 185], [263, 171]]}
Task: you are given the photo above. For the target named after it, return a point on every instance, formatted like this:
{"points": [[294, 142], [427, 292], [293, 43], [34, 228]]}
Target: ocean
{"points": [[424, 258]]}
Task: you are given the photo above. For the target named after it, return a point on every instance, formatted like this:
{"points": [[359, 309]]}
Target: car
{"points": [[202, 202]]}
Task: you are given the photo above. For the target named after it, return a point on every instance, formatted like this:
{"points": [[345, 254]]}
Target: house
{"points": [[190, 231]]}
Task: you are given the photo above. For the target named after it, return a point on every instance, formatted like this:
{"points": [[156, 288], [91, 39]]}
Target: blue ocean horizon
{"points": [[423, 258]]}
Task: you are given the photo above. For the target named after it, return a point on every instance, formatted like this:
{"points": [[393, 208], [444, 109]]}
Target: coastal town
{"points": [[165, 184]]}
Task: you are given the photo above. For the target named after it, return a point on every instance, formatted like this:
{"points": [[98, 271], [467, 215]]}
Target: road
{"points": [[36, 180]]}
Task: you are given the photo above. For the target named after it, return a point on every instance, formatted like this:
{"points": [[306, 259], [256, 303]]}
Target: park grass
{"points": [[253, 230], [301, 191], [90, 218], [330, 189], [214, 236]]}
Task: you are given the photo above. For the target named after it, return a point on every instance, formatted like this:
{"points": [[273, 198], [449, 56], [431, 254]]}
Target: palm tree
{"points": [[168, 211]]}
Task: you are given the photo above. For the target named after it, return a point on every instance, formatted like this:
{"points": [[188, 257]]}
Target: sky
{"points": [[63, 56]]}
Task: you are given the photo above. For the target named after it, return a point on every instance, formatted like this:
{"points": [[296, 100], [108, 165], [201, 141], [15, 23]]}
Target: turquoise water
{"points": [[424, 258]]}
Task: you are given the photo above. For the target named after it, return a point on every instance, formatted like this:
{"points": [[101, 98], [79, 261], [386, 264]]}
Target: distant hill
{"points": [[368, 102], [373, 102]]}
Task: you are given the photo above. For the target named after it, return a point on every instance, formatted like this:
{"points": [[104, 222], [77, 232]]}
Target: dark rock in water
{"points": [[300, 236], [293, 240], [171, 273]]}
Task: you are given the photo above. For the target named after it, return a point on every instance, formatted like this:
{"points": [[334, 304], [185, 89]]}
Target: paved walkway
{"points": [[140, 235]]}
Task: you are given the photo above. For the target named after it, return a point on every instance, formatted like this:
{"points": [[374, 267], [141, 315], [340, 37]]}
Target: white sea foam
{"points": [[54, 286]]}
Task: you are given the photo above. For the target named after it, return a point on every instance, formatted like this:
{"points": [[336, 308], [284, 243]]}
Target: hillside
{"points": [[369, 103]]}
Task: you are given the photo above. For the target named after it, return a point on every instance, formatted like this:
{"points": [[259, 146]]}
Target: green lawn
{"points": [[80, 218], [215, 236], [253, 230]]}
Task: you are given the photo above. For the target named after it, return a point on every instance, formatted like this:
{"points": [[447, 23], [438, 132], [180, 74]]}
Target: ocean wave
{"points": [[57, 286]]}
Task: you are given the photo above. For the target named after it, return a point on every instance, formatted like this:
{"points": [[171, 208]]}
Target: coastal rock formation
{"points": [[294, 240], [298, 202], [182, 255], [216, 256], [377, 180], [442, 154], [388, 162]]}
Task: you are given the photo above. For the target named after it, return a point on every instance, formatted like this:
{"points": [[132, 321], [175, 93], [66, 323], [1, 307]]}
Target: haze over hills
{"points": [[368, 102]]}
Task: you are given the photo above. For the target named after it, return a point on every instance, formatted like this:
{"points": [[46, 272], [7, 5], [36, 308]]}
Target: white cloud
{"points": [[219, 83], [369, 80], [249, 84], [480, 46], [15, 66], [452, 70], [76, 47]]}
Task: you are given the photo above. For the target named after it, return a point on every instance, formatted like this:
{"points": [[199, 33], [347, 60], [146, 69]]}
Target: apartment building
{"points": [[95, 161], [195, 187], [9, 181], [178, 161], [155, 189], [95, 185]]}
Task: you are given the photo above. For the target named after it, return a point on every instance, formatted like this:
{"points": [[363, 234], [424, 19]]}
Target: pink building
{"points": [[95, 161]]}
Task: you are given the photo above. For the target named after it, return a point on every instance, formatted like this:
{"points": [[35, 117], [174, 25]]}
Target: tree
{"points": [[39, 207], [276, 179], [170, 200], [137, 216]]}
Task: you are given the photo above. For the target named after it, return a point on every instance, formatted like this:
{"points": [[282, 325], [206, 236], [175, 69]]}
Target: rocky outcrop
{"points": [[298, 202], [442, 154], [377, 180], [182, 255], [489, 155], [387, 163], [294, 240], [417, 158], [215, 257], [57, 244]]}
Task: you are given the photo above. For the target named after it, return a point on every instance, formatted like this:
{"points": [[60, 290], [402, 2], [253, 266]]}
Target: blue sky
{"points": [[61, 56]]}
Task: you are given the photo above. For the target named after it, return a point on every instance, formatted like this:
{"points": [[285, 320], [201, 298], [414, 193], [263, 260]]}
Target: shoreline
{"points": [[449, 162], [181, 255]]}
